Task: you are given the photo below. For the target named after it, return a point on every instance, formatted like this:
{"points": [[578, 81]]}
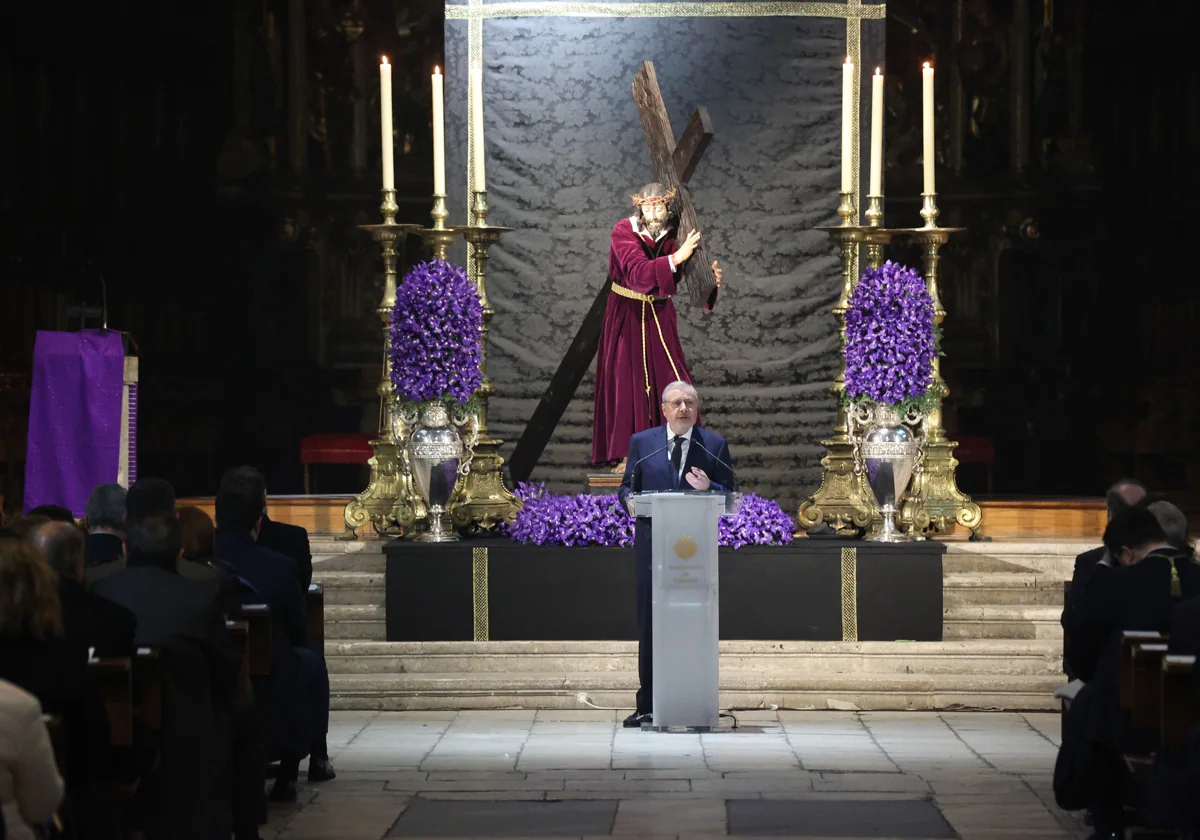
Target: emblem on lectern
{"points": [[685, 548]]}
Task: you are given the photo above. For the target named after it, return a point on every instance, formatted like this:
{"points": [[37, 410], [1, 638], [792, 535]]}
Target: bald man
{"points": [[88, 619]]}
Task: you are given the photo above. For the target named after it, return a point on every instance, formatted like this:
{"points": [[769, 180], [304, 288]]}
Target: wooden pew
{"points": [[1180, 702], [148, 682], [258, 621], [239, 633], [113, 677], [1129, 638], [1146, 692], [315, 603]]}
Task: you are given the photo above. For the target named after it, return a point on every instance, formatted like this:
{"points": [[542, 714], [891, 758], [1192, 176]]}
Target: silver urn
{"points": [[889, 453], [437, 456]]}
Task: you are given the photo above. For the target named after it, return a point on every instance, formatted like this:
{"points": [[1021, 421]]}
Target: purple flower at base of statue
{"points": [[549, 519], [435, 339], [891, 340]]}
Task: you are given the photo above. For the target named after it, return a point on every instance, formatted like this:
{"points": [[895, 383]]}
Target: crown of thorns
{"points": [[653, 200]]}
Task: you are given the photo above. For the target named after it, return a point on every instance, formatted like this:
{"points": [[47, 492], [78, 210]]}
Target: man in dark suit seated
{"points": [[302, 712], [1136, 594], [678, 455], [88, 619], [289, 540], [104, 518], [200, 668]]}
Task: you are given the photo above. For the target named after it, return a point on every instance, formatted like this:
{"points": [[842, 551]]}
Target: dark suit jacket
{"points": [[93, 621], [647, 468], [274, 576], [1185, 628], [99, 549], [1085, 564], [290, 541], [232, 591]]}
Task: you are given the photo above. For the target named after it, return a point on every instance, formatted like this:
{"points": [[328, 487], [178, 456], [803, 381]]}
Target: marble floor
{"points": [[970, 775]]}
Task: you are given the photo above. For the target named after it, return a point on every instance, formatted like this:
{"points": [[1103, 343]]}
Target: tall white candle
{"points": [[477, 149], [439, 136], [876, 134], [847, 118], [927, 125], [385, 124]]}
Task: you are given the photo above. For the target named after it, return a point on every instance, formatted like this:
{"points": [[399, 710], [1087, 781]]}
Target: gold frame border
{"points": [[849, 594], [479, 594]]}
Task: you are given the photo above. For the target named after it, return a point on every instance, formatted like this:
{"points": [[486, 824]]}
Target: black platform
{"points": [[505, 591]]}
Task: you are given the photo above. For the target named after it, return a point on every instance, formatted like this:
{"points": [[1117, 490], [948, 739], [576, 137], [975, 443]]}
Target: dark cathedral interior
{"points": [[196, 171]]}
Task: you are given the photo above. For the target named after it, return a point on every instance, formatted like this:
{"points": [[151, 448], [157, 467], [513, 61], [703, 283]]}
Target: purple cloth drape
{"points": [[74, 417]]}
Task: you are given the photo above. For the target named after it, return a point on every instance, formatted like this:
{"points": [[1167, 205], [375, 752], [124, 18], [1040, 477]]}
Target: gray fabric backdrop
{"points": [[565, 150]]}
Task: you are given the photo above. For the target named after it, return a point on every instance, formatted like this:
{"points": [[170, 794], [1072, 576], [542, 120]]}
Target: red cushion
{"points": [[973, 449], [336, 449]]}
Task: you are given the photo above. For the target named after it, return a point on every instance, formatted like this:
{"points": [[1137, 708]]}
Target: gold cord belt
{"points": [[647, 302]]}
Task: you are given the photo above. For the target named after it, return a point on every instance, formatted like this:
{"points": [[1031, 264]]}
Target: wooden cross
{"points": [[674, 163]]}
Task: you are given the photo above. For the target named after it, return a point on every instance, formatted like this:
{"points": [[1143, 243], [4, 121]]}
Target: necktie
{"points": [[676, 460]]}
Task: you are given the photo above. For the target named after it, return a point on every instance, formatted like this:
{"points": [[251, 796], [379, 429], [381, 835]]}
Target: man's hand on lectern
{"points": [[698, 478]]}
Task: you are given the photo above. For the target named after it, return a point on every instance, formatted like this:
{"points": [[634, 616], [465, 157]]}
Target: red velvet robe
{"points": [[622, 404]]}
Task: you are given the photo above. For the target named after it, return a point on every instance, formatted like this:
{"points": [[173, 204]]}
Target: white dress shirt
{"points": [[685, 440]]}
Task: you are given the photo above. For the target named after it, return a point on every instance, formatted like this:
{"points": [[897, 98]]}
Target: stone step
{"points": [[1000, 588], [353, 628], [339, 613], [361, 561], [1002, 622], [1053, 558], [776, 658], [351, 587], [739, 689]]}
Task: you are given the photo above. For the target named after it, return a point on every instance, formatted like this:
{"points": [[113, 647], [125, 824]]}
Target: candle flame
{"points": [[878, 72], [926, 65], [385, 61], [437, 71], [849, 63]]}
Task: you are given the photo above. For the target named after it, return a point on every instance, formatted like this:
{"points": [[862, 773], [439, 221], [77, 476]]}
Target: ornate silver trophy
{"points": [[437, 455], [887, 451]]}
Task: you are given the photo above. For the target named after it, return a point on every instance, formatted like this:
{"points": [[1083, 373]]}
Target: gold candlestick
{"points": [[439, 237], [929, 209], [388, 503], [483, 501], [847, 211], [843, 501], [934, 500], [874, 212]]}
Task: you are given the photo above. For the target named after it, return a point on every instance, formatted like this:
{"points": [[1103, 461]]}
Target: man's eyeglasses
{"points": [[690, 403]]}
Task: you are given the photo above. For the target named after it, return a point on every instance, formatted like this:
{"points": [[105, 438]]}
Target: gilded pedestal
{"points": [[483, 501], [934, 501], [386, 504]]}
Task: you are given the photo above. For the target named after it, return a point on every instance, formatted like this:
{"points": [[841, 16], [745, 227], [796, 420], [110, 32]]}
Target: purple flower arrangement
{"points": [[549, 519], [891, 341], [435, 335]]}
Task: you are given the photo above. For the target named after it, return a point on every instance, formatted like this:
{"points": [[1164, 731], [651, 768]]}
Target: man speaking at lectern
{"points": [[675, 456]]}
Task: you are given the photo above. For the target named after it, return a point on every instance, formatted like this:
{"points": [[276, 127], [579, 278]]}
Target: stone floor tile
{"points": [[872, 782], [637, 786], [648, 817]]}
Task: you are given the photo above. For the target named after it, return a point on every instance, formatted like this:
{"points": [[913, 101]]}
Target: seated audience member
{"points": [[30, 787], [1135, 595], [88, 619], [289, 540], [149, 497], [55, 513], [199, 668], [1174, 524], [298, 700], [1125, 494], [20, 527], [36, 657], [104, 518], [199, 563]]}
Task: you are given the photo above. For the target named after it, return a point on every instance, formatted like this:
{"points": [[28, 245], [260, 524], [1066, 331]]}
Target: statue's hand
{"points": [[685, 250], [717, 273]]}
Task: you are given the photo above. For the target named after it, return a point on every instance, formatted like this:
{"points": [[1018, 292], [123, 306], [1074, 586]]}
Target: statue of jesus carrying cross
{"points": [[639, 353]]}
